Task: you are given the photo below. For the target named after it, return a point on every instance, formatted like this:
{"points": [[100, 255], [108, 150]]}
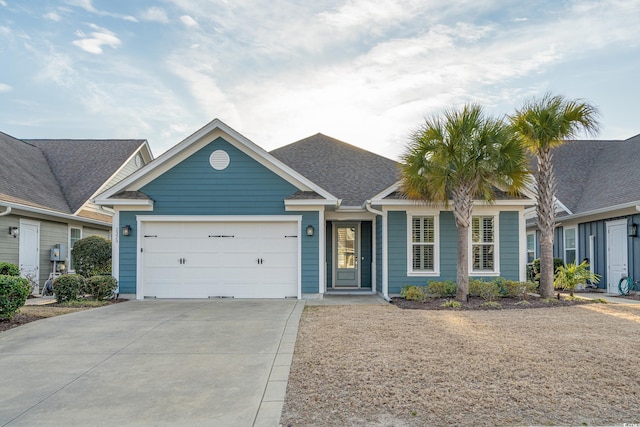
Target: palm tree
{"points": [[541, 125], [458, 158]]}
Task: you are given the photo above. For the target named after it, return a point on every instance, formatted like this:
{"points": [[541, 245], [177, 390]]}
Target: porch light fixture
{"points": [[126, 230], [632, 230], [14, 231], [310, 230]]}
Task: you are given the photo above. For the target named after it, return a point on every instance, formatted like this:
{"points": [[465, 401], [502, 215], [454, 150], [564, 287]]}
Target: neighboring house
{"points": [[46, 187], [218, 216], [598, 208]]}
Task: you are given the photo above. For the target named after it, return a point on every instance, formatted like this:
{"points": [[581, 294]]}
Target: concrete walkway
{"points": [[164, 362]]}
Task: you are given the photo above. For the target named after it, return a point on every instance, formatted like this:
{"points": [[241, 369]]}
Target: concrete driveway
{"points": [[160, 362]]}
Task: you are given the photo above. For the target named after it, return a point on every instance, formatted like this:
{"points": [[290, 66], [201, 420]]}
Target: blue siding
{"points": [[397, 246], [558, 243], [598, 229], [509, 246], [378, 223], [245, 187]]}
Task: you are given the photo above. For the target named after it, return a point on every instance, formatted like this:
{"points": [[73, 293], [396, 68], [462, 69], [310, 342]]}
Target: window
{"points": [[570, 253], [483, 244], [531, 247], [423, 245], [75, 234]]}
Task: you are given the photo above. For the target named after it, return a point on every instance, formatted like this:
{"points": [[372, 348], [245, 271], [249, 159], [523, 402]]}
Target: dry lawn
{"points": [[383, 366]]}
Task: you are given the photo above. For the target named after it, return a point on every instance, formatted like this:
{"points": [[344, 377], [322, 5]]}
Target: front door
{"points": [[29, 252], [347, 252], [616, 254]]}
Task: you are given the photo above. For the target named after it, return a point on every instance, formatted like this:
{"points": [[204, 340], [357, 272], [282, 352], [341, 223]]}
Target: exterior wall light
{"points": [[632, 230], [126, 230], [14, 231], [310, 230]]}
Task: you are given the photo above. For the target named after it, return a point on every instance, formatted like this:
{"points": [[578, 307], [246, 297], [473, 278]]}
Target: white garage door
{"points": [[220, 259]]}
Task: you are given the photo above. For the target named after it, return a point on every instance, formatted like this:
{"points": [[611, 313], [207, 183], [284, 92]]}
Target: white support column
{"points": [[322, 261]]}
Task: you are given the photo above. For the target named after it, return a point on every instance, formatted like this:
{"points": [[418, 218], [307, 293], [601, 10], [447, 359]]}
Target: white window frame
{"points": [[534, 245], [436, 244], [496, 246], [69, 247], [564, 243]]}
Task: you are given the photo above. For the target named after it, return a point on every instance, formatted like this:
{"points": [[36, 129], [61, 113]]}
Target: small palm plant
{"points": [[571, 275]]}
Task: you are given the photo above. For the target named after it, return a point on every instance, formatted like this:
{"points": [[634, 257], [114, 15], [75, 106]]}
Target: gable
{"points": [[195, 187], [193, 144]]}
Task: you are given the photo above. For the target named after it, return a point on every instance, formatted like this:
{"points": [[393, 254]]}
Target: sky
{"points": [[367, 72]]}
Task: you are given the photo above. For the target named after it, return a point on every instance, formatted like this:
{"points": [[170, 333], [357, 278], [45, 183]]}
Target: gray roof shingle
{"points": [[348, 172], [83, 166], [593, 175], [58, 174]]}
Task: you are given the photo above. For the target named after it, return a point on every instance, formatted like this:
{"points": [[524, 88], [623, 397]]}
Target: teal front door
{"points": [[347, 253]]}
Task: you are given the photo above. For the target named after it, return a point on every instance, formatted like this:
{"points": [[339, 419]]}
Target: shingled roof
{"points": [[350, 173], [59, 174], [593, 175]]}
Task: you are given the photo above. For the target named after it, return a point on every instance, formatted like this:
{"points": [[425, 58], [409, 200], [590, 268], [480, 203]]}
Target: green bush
{"points": [[13, 294], [92, 256], [535, 266], [451, 304], [100, 287], [9, 269], [67, 287], [515, 289], [488, 291], [445, 289], [413, 293]]}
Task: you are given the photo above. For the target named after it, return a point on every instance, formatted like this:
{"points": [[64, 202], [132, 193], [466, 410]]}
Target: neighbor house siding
{"points": [[379, 250], [329, 253], [245, 187], [9, 245], [558, 243]]}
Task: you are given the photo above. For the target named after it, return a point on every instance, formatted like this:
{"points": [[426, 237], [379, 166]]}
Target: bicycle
{"points": [[627, 285]]}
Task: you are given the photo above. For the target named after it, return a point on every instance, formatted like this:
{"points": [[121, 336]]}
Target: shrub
{"points": [[451, 304], [488, 291], [100, 287], [9, 269], [13, 294], [515, 289], [535, 266], [444, 289], [92, 256], [67, 287], [569, 277]]}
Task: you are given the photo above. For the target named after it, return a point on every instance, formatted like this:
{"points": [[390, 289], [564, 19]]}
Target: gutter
{"points": [[6, 211], [52, 213], [367, 205]]}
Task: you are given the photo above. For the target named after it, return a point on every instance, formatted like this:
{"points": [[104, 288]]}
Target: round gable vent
{"points": [[219, 160]]}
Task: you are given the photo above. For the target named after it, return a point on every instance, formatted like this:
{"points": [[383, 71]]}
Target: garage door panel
{"points": [[241, 259]]}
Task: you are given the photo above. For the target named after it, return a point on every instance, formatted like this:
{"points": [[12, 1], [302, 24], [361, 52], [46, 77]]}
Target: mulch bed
{"points": [[476, 303]]}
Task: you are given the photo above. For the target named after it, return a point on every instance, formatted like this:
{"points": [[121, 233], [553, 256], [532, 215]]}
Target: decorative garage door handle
{"points": [[221, 235], [260, 260], [182, 260]]}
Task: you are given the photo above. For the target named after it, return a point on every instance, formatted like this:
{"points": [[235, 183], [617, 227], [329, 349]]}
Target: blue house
{"points": [[597, 208], [218, 216]]}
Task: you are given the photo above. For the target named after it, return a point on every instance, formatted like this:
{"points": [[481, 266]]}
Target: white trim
{"points": [[377, 199], [310, 202], [127, 202], [54, 213], [346, 216], [200, 138], [564, 243], [515, 204], [115, 248], [533, 234], [357, 253], [522, 232], [385, 255], [22, 222], [142, 219], [496, 246], [69, 228], [614, 281], [374, 254], [436, 243]]}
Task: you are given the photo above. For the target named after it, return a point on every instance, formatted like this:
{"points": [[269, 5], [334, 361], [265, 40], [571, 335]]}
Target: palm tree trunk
{"points": [[546, 220], [462, 210]]}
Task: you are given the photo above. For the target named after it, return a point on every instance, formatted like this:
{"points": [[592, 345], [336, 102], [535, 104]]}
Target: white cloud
{"points": [[99, 38], [188, 21], [52, 16], [88, 6], [3, 3], [155, 14], [5, 88]]}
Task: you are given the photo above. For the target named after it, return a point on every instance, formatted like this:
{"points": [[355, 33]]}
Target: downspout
{"points": [[6, 212], [381, 214]]}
